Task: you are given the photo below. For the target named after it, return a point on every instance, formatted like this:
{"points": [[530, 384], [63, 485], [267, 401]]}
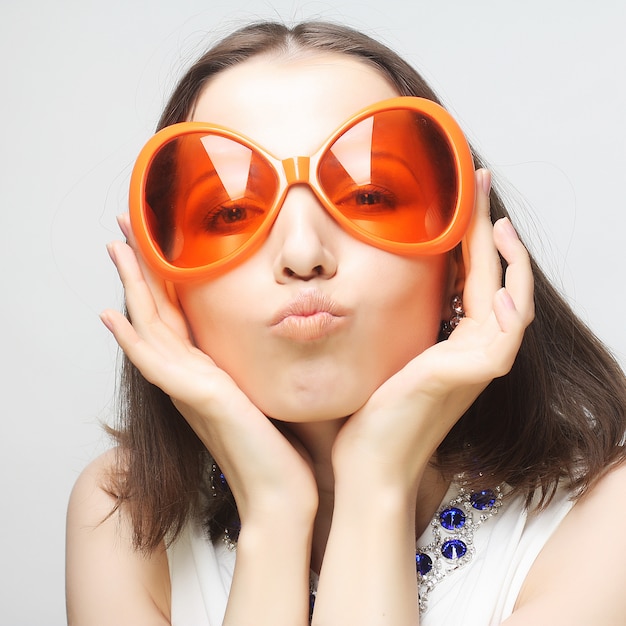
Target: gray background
{"points": [[538, 86]]}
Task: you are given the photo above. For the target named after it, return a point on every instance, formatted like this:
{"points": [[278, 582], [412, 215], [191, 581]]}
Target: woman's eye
{"points": [[226, 220], [368, 200], [234, 214]]}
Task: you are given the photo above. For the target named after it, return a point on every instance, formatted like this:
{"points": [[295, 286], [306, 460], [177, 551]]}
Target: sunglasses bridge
{"points": [[297, 170]]}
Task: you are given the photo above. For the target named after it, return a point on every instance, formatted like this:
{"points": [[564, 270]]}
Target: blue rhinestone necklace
{"points": [[453, 527]]}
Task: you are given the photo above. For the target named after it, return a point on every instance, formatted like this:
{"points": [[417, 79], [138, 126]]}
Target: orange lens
{"points": [[393, 176], [206, 195]]}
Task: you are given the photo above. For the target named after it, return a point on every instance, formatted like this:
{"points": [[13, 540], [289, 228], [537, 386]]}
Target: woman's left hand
{"points": [[404, 421]]}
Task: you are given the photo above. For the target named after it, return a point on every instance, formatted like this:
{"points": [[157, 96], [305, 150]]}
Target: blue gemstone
{"points": [[452, 518], [482, 500], [423, 563], [453, 549]]}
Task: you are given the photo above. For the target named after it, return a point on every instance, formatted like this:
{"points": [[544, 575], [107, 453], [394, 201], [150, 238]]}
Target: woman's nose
{"points": [[305, 236]]}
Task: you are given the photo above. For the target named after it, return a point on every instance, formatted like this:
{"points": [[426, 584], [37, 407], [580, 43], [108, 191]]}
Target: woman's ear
{"points": [[455, 281]]}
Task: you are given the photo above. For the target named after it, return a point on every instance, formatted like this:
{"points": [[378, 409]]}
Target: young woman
{"points": [[349, 395]]}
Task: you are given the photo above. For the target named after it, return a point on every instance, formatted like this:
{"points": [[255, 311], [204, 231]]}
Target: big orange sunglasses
{"points": [[398, 175]]}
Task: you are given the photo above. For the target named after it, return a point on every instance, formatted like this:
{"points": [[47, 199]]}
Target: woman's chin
{"points": [[311, 412]]}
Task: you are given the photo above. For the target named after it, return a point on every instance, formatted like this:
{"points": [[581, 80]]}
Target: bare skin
{"points": [[322, 474]]}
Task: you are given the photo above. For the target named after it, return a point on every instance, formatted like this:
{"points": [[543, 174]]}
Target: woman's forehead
{"points": [[290, 105]]}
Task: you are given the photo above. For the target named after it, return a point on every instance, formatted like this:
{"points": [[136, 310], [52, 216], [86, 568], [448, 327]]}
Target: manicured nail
{"points": [[123, 224], [508, 228], [111, 251], [505, 298], [106, 321], [485, 181]]}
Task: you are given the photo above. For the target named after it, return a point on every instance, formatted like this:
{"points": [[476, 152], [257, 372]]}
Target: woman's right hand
{"points": [[258, 461], [270, 476]]}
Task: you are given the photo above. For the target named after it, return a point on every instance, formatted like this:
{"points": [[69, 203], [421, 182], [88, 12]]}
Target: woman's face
{"points": [[314, 321]]}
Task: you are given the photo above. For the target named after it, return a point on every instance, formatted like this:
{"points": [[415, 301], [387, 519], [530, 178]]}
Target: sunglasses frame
{"points": [[304, 170]]}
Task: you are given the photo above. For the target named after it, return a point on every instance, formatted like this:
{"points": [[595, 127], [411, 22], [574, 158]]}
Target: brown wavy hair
{"points": [[559, 415]]}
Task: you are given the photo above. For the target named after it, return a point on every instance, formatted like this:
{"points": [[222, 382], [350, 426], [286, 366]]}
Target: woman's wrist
{"points": [[294, 525], [263, 509], [361, 471]]}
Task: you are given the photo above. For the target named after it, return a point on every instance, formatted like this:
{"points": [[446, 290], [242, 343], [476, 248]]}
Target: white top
{"points": [[200, 573], [482, 593]]}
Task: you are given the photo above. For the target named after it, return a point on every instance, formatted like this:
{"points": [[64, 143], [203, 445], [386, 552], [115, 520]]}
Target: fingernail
{"points": [[505, 298], [123, 224], [106, 321], [508, 227], [485, 181], [111, 251]]}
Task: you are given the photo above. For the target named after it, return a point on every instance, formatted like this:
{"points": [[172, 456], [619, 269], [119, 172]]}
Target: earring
{"points": [[458, 313]]}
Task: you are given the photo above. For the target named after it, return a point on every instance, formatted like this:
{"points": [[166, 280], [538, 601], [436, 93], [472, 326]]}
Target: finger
{"points": [[482, 263], [143, 354], [163, 293], [513, 305], [144, 314], [164, 358], [139, 298], [135, 348], [155, 282], [519, 281]]}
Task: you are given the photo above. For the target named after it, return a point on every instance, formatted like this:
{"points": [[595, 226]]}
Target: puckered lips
{"points": [[311, 315]]}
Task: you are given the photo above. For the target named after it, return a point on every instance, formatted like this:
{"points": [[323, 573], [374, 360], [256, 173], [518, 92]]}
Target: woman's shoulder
{"points": [[93, 498], [92, 502], [95, 476], [581, 555], [107, 579]]}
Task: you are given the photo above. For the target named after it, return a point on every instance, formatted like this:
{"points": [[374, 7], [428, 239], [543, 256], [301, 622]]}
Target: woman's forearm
{"points": [[368, 574], [271, 580]]}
